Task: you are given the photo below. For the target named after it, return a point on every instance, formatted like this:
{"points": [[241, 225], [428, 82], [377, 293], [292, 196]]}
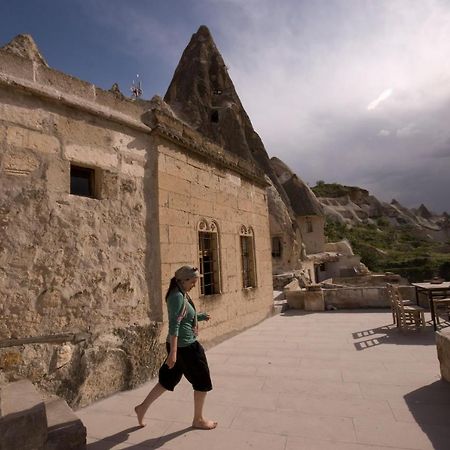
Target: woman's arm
{"points": [[172, 358]]}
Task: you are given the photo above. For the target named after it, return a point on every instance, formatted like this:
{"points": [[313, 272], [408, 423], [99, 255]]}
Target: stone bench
{"points": [[29, 423], [443, 351]]}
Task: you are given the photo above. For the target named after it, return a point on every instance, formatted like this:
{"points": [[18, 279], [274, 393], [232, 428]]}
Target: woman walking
{"points": [[186, 356]]}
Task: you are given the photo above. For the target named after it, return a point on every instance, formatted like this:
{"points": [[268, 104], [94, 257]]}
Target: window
{"points": [[309, 225], [215, 116], [322, 267], [82, 181], [248, 257], [276, 247], [209, 258]]}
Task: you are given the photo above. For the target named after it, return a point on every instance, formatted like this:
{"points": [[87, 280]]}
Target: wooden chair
{"points": [[408, 316], [393, 292], [442, 309]]}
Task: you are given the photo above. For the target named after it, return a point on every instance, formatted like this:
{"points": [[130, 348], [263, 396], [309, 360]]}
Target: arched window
{"points": [[209, 257], [309, 225], [248, 258]]}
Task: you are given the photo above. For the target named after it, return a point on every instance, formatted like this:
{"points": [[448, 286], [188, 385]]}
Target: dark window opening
{"points": [[276, 247], [82, 181], [248, 262], [215, 116], [322, 267], [209, 263], [309, 226]]}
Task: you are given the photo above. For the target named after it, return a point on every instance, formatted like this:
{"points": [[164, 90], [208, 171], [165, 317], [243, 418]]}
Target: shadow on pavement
{"points": [[109, 442], [430, 407], [390, 334]]}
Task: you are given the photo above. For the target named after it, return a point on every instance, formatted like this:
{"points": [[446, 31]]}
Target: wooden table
{"points": [[433, 290]]}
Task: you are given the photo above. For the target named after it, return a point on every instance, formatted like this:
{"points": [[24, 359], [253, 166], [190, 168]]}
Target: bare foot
{"points": [[140, 415], [204, 424]]}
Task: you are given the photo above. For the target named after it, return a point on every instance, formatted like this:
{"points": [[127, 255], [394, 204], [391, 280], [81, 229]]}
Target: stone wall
{"points": [[192, 190], [356, 297], [82, 279], [313, 235], [79, 276]]}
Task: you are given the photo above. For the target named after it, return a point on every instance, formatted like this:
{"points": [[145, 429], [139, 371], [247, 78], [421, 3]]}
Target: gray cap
{"points": [[186, 273]]}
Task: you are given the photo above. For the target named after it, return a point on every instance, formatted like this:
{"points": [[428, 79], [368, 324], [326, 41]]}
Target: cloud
{"points": [[381, 98], [306, 71]]}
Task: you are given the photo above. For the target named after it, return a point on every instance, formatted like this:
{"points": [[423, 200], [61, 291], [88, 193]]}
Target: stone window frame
{"points": [[94, 179], [248, 257], [209, 230]]}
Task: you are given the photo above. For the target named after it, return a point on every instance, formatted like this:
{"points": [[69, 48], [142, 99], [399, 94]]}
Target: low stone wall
{"points": [[87, 370], [443, 351], [356, 297]]}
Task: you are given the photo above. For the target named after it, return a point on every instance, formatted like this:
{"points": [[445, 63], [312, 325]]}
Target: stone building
{"points": [[101, 198]]}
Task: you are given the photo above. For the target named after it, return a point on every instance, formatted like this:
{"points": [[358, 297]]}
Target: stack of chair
{"points": [[405, 313]]}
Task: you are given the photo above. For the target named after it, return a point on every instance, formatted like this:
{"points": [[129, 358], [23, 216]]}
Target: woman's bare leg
{"points": [[199, 421], [141, 409]]}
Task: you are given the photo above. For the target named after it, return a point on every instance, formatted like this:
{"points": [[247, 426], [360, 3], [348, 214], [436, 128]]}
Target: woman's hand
{"points": [[207, 317], [171, 360]]}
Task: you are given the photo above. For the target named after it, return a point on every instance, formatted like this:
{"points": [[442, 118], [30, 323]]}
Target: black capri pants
{"points": [[191, 362]]}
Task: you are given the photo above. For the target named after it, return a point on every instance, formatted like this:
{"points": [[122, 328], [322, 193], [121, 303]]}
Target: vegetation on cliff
{"points": [[387, 237], [383, 247]]}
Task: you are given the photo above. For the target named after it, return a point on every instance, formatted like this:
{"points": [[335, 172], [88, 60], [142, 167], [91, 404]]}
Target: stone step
{"points": [[23, 422], [65, 429]]}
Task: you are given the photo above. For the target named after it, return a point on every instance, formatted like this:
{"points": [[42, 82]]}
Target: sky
{"points": [[349, 91]]}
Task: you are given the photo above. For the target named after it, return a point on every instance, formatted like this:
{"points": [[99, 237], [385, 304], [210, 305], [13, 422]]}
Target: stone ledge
{"points": [[23, 423], [65, 429]]}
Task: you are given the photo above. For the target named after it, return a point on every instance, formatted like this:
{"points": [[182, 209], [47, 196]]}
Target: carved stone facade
{"points": [[101, 199]]}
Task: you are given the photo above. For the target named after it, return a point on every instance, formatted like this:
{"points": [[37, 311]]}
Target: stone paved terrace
{"points": [[336, 380]]}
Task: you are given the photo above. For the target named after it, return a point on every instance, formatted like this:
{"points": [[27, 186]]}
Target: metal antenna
{"points": [[136, 90]]}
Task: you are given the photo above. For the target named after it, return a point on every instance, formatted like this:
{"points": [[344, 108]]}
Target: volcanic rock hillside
{"points": [[353, 205]]}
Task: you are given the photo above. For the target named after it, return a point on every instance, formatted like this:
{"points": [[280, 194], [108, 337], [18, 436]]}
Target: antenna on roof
{"points": [[136, 90]]}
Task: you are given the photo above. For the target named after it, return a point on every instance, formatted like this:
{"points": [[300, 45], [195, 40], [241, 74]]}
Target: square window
{"points": [[82, 181]]}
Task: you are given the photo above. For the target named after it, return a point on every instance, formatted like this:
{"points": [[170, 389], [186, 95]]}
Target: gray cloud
{"points": [[354, 91]]}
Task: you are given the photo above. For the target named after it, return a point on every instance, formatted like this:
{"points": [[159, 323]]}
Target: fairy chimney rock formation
{"points": [[202, 94], [302, 198]]}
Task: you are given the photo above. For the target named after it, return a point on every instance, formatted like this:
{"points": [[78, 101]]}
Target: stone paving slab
{"points": [[338, 380]]}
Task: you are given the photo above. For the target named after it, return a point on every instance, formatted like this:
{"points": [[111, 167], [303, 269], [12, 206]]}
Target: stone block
{"points": [[169, 216], [32, 140], [175, 167], [20, 162], [93, 156], [15, 66], [65, 83], [295, 299], [124, 106], [177, 254], [65, 429], [57, 175], [133, 168], [181, 202], [174, 184], [181, 235], [443, 352], [314, 301], [23, 422]]}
